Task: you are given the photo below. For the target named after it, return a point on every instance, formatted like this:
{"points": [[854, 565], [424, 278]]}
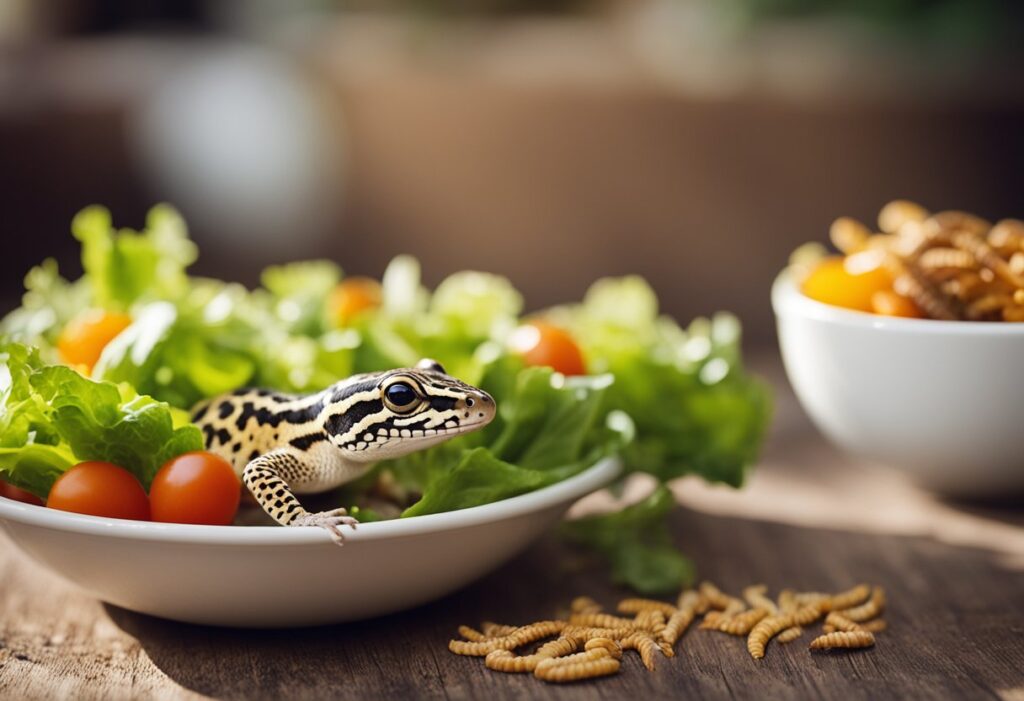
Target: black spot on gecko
{"points": [[225, 409], [308, 440], [442, 403], [272, 417], [224, 436], [200, 413], [208, 431], [236, 447], [338, 424], [253, 455]]}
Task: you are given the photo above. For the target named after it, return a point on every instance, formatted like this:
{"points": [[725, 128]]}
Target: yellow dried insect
{"points": [[666, 649], [600, 620], [639, 605], [584, 604], [517, 638], [756, 596], [790, 634], [837, 621], [940, 258], [595, 653], [645, 645], [651, 620], [764, 631], [875, 625], [585, 633], [689, 602], [612, 646], [471, 634], [872, 608], [915, 285], [496, 630], [507, 661], [742, 623], [557, 648], [849, 235], [987, 307], [842, 639], [711, 620], [787, 600], [848, 598], [895, 215], [577, 670], [716, 598], [806, 615]]}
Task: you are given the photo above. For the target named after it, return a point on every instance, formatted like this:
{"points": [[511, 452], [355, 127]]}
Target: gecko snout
{"points": [[477, 407]]}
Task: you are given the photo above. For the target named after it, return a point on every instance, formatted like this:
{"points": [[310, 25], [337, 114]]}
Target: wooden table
{"points": [[809, 519]]}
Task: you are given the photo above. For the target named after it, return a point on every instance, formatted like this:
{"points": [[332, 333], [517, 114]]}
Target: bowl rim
{"points": [[788, 300], [570, 489]]}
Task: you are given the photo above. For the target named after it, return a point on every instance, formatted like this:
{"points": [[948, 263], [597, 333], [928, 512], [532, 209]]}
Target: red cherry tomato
{"points": [[100, 489], [12, 492], [196, 487], [540, 343]]}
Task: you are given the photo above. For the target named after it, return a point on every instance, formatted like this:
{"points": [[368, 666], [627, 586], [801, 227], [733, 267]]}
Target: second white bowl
{"points": [[942, 400]]}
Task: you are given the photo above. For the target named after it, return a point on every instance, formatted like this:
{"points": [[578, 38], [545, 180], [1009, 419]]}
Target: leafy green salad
{"points": [[106, 367]]}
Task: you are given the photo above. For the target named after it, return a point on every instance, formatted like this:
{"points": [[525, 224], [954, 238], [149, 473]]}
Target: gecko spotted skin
{"points": [[282, 445]]}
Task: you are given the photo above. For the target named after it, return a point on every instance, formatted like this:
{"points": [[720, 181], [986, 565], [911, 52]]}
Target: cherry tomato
{"points": [[540, 343], [196, 487], [354, 296], [84, 338], [848, 282], [12, 492], [890, 303], [100, 489]]}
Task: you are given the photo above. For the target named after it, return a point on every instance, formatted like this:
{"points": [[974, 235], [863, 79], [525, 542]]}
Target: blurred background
{"points": [[695, 142]]}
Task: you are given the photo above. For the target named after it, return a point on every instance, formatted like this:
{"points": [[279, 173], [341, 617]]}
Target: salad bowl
{"points": [[939, 400], [269, 576]]}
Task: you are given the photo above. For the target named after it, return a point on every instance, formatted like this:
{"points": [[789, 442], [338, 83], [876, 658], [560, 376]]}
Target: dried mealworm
{"points": [[1016, 263], [941, 257], [645, 645], [915, 285], [589, 633], [848, 598], [986, 307], [787, 600], [715, 597], [637, 605], [471, 634], [1007, 237], [651, 620], [558, 647], [897, 213], [742, 623], [958, 222], [755, 595], [764, 631], [689, 601], [711, 620], [988, 257], [666, 649], [584, 604], [575, 671], [790, 634], [849, 235], [517, 638], [600, 620], [837, 621], [612, 646], [875, 625], [507, 661], [806, 615], [843, 639], [868, 610], [496, 630]]}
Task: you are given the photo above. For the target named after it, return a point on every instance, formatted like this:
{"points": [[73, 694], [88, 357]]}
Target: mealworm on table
{"points": [[584, 604], [869, 609], [677, 624], [764, 631], [612, 646], [600, 620], [495, 630], [507, 661], [590, 632], [517, 638], [644, 644], [742, 623], [651, 620], [789, 634], [837, 621], [755, 595], [558, 648], [560, 673], [849, 598], [637, 605], [844, 639]]}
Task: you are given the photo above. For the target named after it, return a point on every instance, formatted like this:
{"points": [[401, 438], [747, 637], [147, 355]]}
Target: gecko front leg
{"points": [[268, 477]]}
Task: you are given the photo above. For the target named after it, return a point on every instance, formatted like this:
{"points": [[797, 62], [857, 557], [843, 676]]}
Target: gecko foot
{"points": [[331, 521]]}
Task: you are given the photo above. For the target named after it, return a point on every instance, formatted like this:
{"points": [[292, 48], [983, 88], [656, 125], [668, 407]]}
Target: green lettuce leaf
{"points": [[52, 418], [637, 544]]}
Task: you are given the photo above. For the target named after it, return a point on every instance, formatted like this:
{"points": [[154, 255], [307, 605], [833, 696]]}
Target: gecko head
{"points": [[393, 413]]}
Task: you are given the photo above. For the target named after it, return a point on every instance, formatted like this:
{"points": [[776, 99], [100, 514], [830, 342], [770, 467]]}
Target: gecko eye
{"points": [[401, 397]]}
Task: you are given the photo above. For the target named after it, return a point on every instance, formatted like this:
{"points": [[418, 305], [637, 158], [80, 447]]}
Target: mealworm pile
{"points": [[591, 642], [953, 265]]}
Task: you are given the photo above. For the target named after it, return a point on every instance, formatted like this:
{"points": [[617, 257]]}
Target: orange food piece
{"points": [[352, 297], [197, 487], [541, 343], [100, 489], [84, 337], [848, 282], [891, 303], [11, 492]]}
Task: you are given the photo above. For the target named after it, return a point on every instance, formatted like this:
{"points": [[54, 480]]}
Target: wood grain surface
{"points": [[809, 519]]}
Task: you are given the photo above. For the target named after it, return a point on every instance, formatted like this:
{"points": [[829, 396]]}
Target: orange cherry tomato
{"points": [[352, 297], [848, 282], [540, 343], [85, 336], [197, 487], [889, 303], [11, 492], [100, 489]]}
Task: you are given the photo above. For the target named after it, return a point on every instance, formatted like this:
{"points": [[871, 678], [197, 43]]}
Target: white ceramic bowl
{"points": [[268, 576], [942, 400]]}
